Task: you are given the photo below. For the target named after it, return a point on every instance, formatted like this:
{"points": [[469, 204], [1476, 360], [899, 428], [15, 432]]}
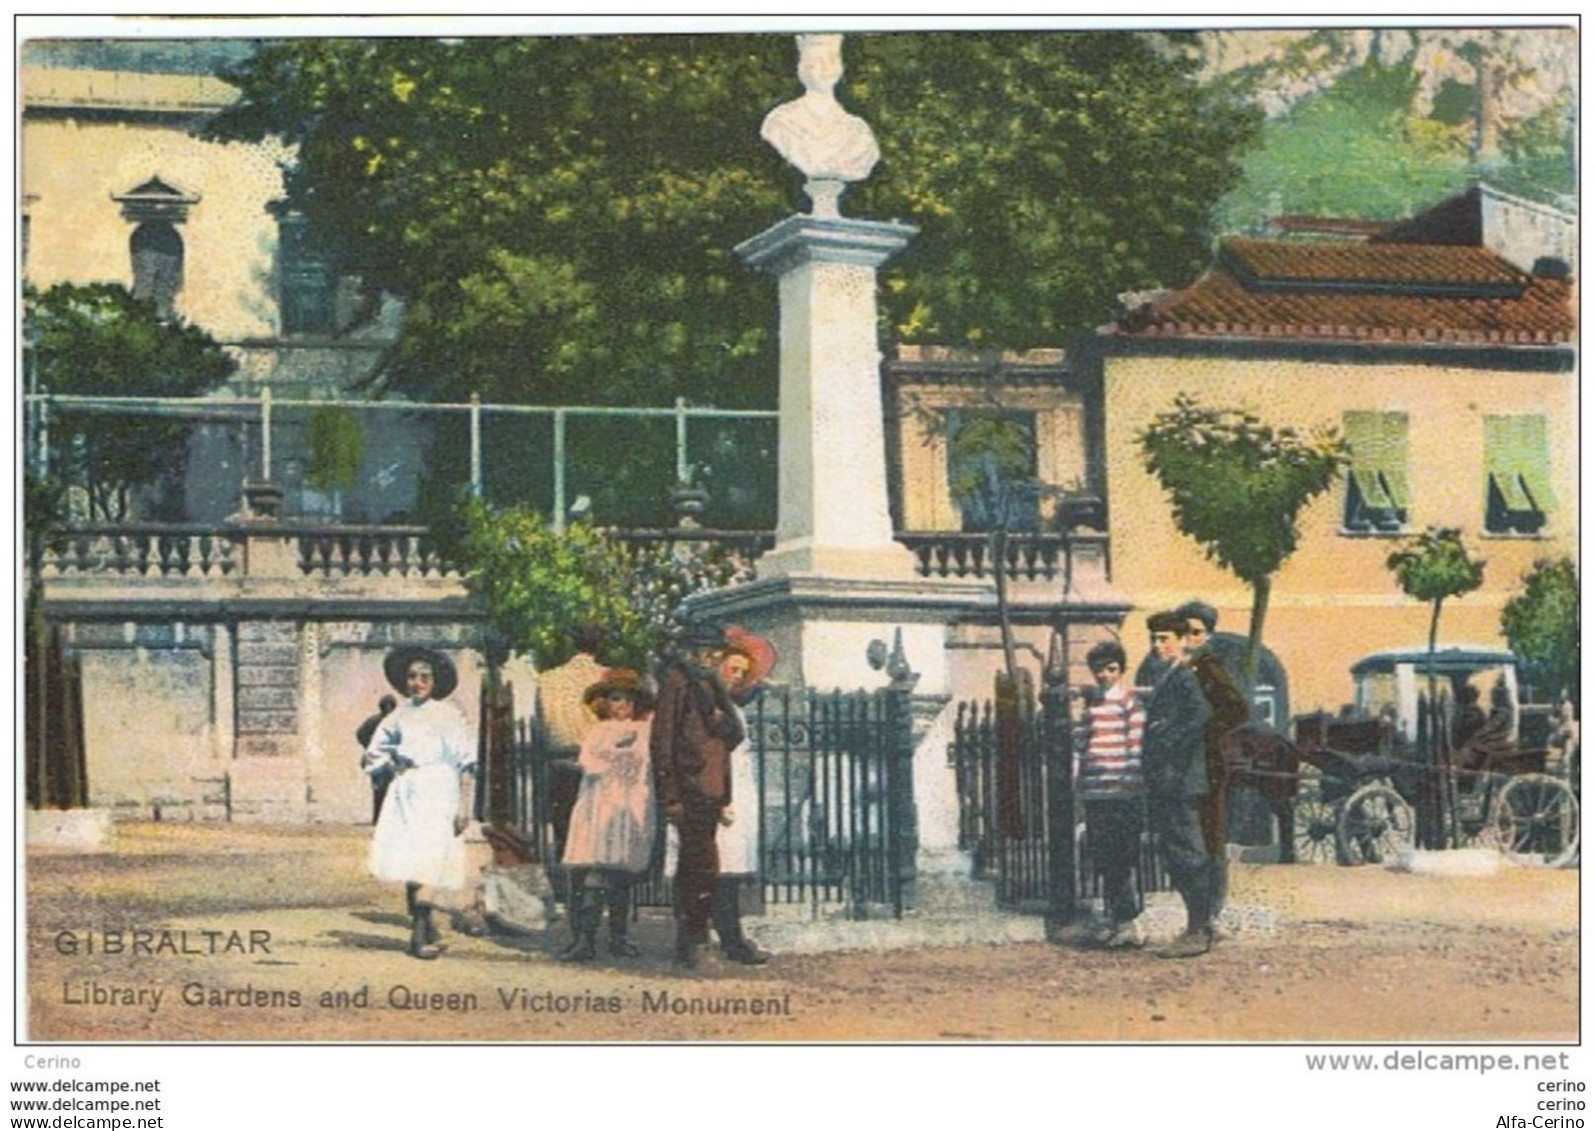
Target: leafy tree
{"points": [[558, 212], [1237, 485], [335, 444], [1541, 153], [1541, 626], [98, 340], [1433, 567], [539, 585]]}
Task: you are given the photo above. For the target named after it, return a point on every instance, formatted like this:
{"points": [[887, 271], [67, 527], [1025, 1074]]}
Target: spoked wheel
{"points": [[1315, 824], [1536, 820], [1375, 824]]}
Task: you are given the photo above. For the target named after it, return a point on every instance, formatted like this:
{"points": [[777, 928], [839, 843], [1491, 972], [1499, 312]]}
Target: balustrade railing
{"points": [[323, 550], [139, 550], [1026, 556], [385, 551]]}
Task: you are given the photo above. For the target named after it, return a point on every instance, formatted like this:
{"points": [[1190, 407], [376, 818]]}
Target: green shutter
{"points": [[1378, 442], [1517, 462], [1397, 487]]}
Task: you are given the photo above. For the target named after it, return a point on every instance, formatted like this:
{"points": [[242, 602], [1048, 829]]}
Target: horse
{"points": [[1258, 757]]}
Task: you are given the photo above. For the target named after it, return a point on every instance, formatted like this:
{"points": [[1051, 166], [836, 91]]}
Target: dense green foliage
{"points": [[335, 444], [559, 213], [98, 340], [1435, 565], [1541, 626], [541, 586], [1237, 486]]}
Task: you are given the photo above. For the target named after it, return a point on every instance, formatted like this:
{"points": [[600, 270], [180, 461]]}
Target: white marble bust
{"points": [[823, 141]]}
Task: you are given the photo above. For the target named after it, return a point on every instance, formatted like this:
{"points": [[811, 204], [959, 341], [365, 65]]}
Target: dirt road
{"points": [[278, 935]]}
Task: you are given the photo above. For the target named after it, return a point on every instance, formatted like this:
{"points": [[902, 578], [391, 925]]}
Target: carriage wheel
{"points": [[1315, 824], [1375, 824], [1536, 819]]}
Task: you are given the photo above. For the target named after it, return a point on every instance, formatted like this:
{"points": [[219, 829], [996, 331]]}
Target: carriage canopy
{"points": [[1392, 681]]}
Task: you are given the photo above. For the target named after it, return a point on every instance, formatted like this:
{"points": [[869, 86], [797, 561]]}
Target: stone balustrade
{"points": [[169, 551], [151, 550], [1026, 556], [381, 552], [138, 552]]}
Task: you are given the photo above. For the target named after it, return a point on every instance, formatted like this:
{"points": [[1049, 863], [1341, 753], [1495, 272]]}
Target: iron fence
{"points": [[186, 460], [831, 771], [1009, 819]]}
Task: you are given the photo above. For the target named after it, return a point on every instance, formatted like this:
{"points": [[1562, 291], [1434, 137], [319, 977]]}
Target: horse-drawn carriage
{"points": [[1351, 788]]}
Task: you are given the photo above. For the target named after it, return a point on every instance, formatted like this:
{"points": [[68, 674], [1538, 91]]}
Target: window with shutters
{"points": [[1378, 494], [1517, 479]]}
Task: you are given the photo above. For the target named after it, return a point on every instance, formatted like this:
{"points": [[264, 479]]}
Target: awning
{"points": [[1378, 443], [1517, 463]]}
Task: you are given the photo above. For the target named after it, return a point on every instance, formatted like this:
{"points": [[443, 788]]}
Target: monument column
{"points": [[836, 580], [833, 516]]}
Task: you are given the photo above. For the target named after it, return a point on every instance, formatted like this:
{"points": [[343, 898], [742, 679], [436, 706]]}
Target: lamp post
{"points": [[1062, 863]]}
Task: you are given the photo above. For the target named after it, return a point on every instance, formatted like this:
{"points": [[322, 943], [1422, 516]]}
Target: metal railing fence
{"points": [[401, 459]]}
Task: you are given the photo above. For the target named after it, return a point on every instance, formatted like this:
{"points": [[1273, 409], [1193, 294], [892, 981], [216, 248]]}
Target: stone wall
{"points": [[228, 684]]}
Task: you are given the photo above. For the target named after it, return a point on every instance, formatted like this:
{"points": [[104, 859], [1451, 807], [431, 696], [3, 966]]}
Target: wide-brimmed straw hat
{"points": [[397, 664], [622, 680], [758, 649]]}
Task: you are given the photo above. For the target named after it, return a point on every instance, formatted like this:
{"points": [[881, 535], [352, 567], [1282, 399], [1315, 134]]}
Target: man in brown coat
{"points": [[695, 728], [1228, 710]]}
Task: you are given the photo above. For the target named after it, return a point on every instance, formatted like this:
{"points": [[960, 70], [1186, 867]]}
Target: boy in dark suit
{"points": [[1175, 768]]}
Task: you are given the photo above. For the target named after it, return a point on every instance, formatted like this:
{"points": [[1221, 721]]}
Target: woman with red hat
{"points": [[431, 752], [612, 823], [747, 661]]}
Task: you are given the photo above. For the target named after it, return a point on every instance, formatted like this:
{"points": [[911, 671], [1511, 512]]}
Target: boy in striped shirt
{"points": [[1109, 766]]}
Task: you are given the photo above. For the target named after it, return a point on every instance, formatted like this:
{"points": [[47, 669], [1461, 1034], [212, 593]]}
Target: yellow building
{"points": [[1450, 371], [120, 185]]}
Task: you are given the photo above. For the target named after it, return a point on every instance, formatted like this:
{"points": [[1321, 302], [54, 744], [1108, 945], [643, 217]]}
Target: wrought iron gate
{"points": [[834, 800]]}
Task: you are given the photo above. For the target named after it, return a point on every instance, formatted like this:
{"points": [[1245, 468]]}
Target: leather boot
{"points": [[584, 911], [689, 948], [618, 898], [423, 934], [726, 912]]}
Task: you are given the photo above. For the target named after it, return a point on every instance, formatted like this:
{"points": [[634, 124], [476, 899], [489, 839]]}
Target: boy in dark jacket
{"points": [[696, 726], [1175, 767], [1229, 710]]}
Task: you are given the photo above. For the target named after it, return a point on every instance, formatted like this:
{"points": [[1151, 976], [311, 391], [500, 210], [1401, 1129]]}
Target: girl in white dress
{"points": [[612, 824], [427, 745]]}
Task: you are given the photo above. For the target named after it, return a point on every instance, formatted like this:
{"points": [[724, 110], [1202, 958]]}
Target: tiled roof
{"points": [[1365, 292], [1286, 261]]}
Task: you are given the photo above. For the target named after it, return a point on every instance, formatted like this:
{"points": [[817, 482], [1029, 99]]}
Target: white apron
{"points": [[414, 841]]}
